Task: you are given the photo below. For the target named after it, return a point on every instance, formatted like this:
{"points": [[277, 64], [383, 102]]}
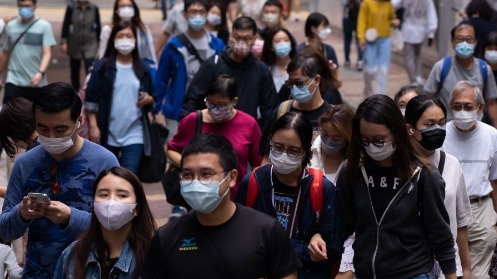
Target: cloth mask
{"points": [[380, 153], [283, 163], [302, 94], [432, 137], [213, 19], [324, 34], [465, 50], [196, 22], [220, 113], [403, 111], [26, 12], [202, 198], [271, 20], [126, 13], [241, 48], [330, 147], [113, 215], [282, 49], [124, 46], [491, 56], [464, 120], [57, 145]]}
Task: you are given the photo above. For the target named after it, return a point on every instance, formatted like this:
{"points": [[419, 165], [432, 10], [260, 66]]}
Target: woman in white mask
{"points": [[216, 23], [118, 98], [279, 49], [127, 10], [121, 229], [221, 117], [393, 199], [490, 52], [285, 193], [329, 149]]}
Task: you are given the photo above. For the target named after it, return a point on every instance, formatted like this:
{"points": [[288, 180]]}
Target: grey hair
{"points": [[465, 85]]}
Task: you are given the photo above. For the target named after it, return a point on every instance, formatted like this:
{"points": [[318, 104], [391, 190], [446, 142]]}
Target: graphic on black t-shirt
{"points": [[285, 203], [383, 185]]}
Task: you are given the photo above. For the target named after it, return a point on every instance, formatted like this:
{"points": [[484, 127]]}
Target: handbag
{"points": [[170, 179], [152, 167], [397, 39]]}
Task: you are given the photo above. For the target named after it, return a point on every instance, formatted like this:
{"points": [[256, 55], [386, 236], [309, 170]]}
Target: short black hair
{"points": [[245, 23], [212, 143], [188, 3], [491, 39], [418, 105], [273, 3], [56, 97], [481, 8], [34, 1], [224, 86], [405, 89], [464, 22], [303, 128], [314, 20]]}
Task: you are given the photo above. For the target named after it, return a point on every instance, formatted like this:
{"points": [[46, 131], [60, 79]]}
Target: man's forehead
{"points": [[201, 161], [243, 32], [465, 29], [60, 117]]}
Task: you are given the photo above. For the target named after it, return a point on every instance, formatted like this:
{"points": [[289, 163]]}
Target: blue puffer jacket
{"points": [[331, 225], [172, 78], [123, 269]]}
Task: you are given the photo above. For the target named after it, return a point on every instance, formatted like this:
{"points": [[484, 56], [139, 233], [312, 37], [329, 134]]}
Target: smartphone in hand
{"points": [[39, 198]]}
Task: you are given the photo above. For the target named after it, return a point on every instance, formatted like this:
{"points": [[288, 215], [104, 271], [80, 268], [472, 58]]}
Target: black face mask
{"points": [[433, 137]]}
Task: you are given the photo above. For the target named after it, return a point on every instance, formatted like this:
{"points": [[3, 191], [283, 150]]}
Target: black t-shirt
{"points": [[312, 115], [383, 184], [285, 205], [249, 245]]}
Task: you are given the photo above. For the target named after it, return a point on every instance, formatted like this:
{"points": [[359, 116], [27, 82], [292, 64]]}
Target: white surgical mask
{"points": [[112, 214], [213, 19], [491, 56], [380, 153], [403, 111], [271, 19], [464, 120], [324, 34], [202, 198], [124, 46], [126, 13], [57, 145], [283, 163]]}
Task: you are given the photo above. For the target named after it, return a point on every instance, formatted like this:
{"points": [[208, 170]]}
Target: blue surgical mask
{"points": [[465, 50], [197, 22], [202, 198], [330, 147], [491, 56], [26, 12], [302, 94], [282, 49]]}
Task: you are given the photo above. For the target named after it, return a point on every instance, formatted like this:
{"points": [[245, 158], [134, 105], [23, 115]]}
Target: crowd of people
{"points": [[280, 178]]}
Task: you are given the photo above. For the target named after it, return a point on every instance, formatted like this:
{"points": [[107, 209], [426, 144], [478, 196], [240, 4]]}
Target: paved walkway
{"points": [[352, 89]]}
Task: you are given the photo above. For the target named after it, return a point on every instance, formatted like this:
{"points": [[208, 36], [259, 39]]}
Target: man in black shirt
{"points": [[218, 238]]}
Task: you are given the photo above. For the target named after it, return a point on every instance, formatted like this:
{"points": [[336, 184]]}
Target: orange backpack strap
{"points": [[252, 190], [316, 192]]}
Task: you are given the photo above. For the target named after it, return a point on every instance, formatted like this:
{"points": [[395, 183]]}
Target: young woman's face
{"points": [[126, 33], [215, 10], [289, 140], [433, 115], [374, 133], [329, 131], [280, 37], [116, 188]]}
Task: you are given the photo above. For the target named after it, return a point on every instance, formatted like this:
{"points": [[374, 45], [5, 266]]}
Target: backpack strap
{"points": [[441, 162], [484, 72], [445, 72], [252, 190], [189, 46], [284, 107], [316, 192]]}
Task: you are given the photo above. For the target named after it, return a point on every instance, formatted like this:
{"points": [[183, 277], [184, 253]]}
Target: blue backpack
{"points": [[446, 68]]}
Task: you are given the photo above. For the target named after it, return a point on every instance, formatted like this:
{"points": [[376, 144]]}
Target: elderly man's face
{"points": [[465, 100]]}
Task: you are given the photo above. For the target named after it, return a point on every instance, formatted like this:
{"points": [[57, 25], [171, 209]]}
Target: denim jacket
{"points": [[123, 268]]}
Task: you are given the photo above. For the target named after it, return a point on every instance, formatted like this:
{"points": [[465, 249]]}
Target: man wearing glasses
{"points": [[50, 191], [218, 238], [474, 144], [26, 53], [256, 89], [463, 66]]}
